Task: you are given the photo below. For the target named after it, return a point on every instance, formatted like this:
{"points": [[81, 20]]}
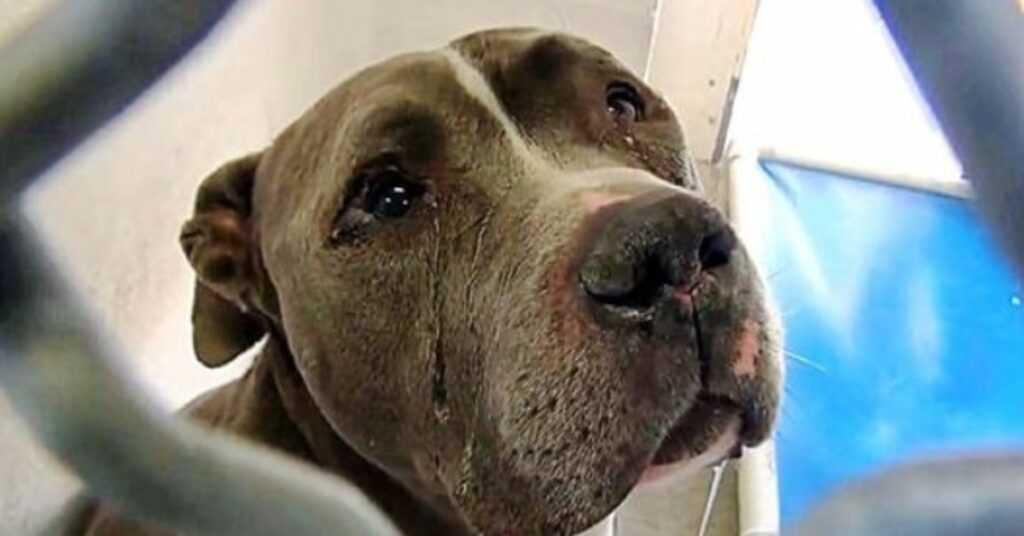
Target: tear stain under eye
{"points": [[439, 384], [701, 350], [439, 387]]}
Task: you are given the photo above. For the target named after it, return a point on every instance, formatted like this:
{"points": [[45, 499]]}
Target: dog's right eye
{"points": [[377, 195], [390, 194]]}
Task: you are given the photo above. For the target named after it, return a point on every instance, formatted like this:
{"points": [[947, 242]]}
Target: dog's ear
{"points": [[218, 242]]}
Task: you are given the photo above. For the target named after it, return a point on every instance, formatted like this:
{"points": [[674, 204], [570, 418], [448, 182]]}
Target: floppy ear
{"points": [[218, 244]]}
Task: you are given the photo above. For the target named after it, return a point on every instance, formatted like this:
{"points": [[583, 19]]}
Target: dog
{"points": [[492, 294]]}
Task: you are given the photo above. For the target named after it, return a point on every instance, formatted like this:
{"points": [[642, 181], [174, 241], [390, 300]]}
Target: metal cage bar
{"points": [[81, 65], [968, 61], [64, 78]]}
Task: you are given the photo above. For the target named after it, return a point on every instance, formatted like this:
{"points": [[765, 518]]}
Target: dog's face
{"points": [[498, 279]]}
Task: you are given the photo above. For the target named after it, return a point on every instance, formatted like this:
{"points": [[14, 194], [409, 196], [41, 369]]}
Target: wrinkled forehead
{"points": [[530, 52], [436, 103], [464, 84], [404, 105]]}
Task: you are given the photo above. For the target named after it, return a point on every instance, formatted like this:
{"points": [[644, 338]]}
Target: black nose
{"points": [[646, 249]]}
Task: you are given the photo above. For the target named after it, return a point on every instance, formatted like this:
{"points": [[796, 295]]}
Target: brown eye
{"points": [[624, 103], [378, 195], [391, 194]]}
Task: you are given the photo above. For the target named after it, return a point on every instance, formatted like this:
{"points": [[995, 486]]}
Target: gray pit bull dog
{"points": [[493, 296]]}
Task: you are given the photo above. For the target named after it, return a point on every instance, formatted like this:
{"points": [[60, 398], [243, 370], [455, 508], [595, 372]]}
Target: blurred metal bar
{"points": [[57, 369], [79, 66], [60, 81], [968, 60], [957, 497]]}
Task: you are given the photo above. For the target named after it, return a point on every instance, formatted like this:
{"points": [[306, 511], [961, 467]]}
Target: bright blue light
{"points": [[911, 321]]}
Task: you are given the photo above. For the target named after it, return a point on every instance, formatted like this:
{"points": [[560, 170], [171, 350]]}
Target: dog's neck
{"points": [[415, 511]]}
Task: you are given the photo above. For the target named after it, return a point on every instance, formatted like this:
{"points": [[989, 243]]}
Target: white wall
{"points": [[823, 81]]}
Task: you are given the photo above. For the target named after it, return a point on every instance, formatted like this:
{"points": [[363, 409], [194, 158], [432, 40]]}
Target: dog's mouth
{"points": [[705, 435]]}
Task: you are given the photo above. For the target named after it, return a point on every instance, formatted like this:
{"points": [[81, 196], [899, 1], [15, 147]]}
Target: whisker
{"points": [[788, 411], [789, 395], [774, 273], [792, 311], [804, 360]]}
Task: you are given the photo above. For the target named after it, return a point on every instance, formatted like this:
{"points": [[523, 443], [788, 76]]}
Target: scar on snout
{"points": [[745, 363], [594, 201]]}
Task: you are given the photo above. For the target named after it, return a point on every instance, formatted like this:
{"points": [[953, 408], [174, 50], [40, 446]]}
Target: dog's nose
{"points": [[647, 249]]}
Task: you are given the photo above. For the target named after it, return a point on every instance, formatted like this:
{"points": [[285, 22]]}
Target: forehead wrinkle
{"points": [[397, 123], [397, 84], [474, 84]]}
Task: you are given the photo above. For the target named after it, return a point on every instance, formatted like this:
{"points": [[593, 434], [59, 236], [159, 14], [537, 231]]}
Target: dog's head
{"points": [[497, 276]]}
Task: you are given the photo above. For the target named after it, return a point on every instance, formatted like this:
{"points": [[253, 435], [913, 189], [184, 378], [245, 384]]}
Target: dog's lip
{"points": [[708, 432], [726, 445]]}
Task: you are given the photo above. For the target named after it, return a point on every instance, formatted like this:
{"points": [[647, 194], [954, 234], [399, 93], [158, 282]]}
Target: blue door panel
{"points": [[904, 329]]}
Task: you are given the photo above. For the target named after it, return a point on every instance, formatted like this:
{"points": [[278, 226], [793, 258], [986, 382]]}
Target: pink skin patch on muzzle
{"points": [[745, 362], [595, 201]]}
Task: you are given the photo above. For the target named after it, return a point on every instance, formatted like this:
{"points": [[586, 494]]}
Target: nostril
{"points": [[642, 290], [716, 249]]}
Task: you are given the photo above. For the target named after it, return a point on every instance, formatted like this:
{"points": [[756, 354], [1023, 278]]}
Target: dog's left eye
{"points": [[390, 194], [624, 103]]}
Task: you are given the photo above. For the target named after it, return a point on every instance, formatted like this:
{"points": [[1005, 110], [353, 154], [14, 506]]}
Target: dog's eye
{"points": [[390, 193], [624, 103]]}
